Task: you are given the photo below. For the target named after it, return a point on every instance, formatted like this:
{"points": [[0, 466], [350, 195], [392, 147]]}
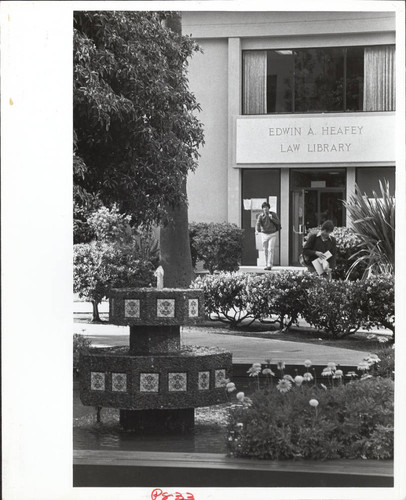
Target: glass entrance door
{"points": [[315, 196]]}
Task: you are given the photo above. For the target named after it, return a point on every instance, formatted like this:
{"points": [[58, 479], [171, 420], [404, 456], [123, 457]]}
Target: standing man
{"points": [[268, 224]]}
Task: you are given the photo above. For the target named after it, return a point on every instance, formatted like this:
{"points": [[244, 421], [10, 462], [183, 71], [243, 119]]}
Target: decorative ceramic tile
{"points": [[131, 308], [119, 382], [193, 308], [219, 376], [204, 380], [165, 308], [97, 381], [149, 382], [177, 382]]}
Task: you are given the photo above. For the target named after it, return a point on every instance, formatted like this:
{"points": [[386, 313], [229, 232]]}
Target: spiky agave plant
{"points": [[373, 220]]}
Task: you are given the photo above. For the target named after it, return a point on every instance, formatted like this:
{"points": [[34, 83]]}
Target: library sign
{"points": [[363, 137]]}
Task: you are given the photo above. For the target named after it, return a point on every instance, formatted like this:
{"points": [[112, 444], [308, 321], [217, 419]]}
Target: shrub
{"points": [[119, 256], [378, 302], [386, 364], [99, 266], [354, 420], [347, 246], [80, 345], [279, 294], [218, 245], [226, 296], [334, 307]]}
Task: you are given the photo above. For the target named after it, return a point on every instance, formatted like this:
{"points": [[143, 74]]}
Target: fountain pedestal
{"points": [[156, 382]]}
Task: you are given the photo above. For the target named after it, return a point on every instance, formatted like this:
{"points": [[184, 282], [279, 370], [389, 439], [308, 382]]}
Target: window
{"points": [[334, 79]]}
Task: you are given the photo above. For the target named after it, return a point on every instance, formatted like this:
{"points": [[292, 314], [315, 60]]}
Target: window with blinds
{"points": [[333, 79]]}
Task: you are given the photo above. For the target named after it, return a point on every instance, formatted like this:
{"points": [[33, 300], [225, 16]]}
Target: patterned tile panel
{"points": [[204, 380], [193, 308], [131, 308], [149, 382], [97, 381], [165, 308], [219, 376], [119, 382], [177, 382]]}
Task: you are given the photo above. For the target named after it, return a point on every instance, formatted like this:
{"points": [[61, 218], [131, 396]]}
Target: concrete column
{"points": [[351, 179], [284, 208], [234, 109]]}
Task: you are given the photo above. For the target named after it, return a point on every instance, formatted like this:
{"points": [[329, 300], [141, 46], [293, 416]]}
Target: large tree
{"points": [[136, 135]]}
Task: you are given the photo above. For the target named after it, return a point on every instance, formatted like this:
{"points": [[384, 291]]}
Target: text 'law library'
{"points": [[297, 107]]}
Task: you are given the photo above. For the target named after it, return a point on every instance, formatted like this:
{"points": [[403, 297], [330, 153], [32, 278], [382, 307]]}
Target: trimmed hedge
{"points": [[338, 308], [217, 245]]}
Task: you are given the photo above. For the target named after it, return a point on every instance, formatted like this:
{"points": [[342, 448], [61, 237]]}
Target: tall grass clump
{"points": [[373, 221]]}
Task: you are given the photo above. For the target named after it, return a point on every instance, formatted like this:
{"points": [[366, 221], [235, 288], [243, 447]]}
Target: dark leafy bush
{"points": [[354, 420], [81, 344], [226, 297], [334, 307], [119, 256], [279, 294], [386, 364], [378, 302], [217, 245], [338, 308]]}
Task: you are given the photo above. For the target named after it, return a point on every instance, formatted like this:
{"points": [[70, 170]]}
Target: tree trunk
{"points": [[176, 258], [96, 317]]}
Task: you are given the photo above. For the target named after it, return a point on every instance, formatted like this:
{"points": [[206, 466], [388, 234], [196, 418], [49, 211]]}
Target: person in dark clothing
{"points": [[268, 224], [317, 244]]}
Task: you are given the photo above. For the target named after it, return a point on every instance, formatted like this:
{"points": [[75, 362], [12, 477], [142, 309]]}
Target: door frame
{"points": [[343, 190]]}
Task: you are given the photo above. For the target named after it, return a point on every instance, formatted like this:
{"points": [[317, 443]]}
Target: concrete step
{"points": [[275, 269]]}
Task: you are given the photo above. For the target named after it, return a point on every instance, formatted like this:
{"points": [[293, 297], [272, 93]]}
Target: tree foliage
{"points": [[118, 256], [136, 135]]}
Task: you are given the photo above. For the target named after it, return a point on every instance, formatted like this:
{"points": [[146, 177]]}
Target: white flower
{"points": [[308, 377], [314, 403], [365, 376], [240, 425], [323, 387], [284, 385], [363, 366], [326, 372], [338, 374], [308, 363], [230, 387], [352, 374], [267, 371], [254, 370], [382, 340], [288, 377], [240, 396], [331, 365], [298, 380], [281, 365]]}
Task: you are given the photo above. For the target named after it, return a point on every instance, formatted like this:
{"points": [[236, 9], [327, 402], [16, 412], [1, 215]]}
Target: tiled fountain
{"points": [[155, 382]]}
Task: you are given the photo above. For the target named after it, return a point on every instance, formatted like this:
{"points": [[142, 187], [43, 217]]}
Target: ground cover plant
{"points": [[291, 418]]}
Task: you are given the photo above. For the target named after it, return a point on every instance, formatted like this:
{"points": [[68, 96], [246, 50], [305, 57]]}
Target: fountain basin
{"points": [[190, 378]]}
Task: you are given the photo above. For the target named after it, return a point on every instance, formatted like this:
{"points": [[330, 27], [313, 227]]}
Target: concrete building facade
{"points": [[297, 108]]}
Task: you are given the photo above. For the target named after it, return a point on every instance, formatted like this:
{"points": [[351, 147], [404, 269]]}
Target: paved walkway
{"points": [[244, 349]]}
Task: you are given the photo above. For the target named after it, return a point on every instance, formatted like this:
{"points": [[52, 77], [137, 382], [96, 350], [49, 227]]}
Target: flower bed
{"points": [[290, 418]]}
